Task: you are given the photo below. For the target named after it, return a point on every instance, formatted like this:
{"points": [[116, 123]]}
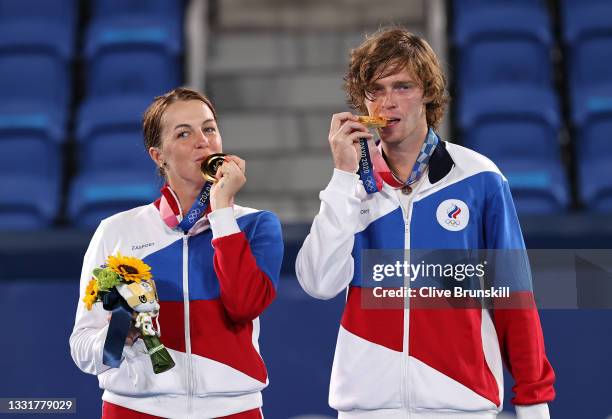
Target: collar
{"points": [[170, 209], [425, 159], [440, 163]]}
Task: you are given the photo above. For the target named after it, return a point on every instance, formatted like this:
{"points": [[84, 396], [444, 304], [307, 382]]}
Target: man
{"points": [[409, 362]]}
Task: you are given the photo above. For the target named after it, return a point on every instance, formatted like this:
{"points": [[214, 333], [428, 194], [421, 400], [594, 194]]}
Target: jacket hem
{"points": [[414, 414], [173, 406]]}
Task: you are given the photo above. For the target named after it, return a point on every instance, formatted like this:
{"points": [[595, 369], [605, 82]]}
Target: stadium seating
{"points": [[94, 197], [104, 9], [503, 43], [517, 127], [587, 37], [31, 136], [592, 122], [28, 202], [109, 134], [459, 6], [511, 121], [538, 187], [132, 55], [53, 11], [34, 61], [587, 33]]}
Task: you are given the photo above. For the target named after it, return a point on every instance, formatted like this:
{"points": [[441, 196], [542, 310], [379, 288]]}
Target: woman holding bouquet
{"points": [[215, 266]]}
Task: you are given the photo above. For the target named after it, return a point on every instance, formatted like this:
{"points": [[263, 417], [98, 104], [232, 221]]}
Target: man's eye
{"points": [[405, 86]]}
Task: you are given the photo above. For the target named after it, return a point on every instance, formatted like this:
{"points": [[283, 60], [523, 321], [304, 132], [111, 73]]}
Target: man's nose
{"points": [[388, 100]]}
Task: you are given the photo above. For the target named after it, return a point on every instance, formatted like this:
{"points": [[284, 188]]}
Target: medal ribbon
{"points": [[118, 328], [170, 209], [380, 171], [366, 170], [198, 208]]}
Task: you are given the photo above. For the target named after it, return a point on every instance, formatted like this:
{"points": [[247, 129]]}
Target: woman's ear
{"points": [[156, 156]]}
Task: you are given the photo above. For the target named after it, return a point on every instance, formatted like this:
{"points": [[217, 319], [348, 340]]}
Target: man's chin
{"points": [[389, 139]]}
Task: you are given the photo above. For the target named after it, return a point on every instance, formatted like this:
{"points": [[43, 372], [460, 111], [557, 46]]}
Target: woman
{"points": [[215, 265]]}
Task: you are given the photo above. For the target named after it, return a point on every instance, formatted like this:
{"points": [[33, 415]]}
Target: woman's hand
{"points": [[231, 179], [133, 333]]}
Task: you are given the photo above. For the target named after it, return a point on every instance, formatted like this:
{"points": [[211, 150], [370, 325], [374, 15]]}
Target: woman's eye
{"points": [[183, 134], [210, 130]]}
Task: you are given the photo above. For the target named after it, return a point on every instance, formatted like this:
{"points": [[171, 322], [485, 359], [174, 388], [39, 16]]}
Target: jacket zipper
{"points": [[407, 214], [187, 324]]}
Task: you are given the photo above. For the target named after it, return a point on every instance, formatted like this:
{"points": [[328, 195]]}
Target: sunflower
{"points": [[130, 268], [91, 293]]}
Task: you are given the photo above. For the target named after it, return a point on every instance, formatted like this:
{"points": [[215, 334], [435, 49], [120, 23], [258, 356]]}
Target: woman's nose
{"points": [[201, 140]]}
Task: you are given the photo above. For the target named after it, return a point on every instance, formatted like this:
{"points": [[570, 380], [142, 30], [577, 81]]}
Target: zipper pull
{"points": [[407, 189]]}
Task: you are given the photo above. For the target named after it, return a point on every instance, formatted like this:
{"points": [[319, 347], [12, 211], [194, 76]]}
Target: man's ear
{"points": [[427, 99]]}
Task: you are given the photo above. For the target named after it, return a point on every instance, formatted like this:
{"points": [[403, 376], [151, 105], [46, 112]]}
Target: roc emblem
{"points": [[453, 214]]}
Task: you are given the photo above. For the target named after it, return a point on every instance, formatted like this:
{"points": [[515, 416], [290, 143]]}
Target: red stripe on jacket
{"points": [[450, 341], [522, 347], [214, 335], [245, 289], [383, 326]]}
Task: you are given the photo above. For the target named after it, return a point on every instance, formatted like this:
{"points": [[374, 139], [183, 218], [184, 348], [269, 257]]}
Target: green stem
{"points": [[160, 358]]}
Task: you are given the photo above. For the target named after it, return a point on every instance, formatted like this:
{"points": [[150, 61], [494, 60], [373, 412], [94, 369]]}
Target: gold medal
{"points": [[210, 165], [373, 121]]}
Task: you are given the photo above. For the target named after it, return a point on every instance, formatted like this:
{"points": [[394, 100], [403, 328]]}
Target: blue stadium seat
{"points": [[132, 55], [503, 43], [469, 6], [538, 187], [62, 11], [587, 32], [97, 196], [34, 61], [103, 9], [511, 121], [31, 135], [46, 120], [31, 138], [592, 122], [109, 133], [28, 202], [568, 7], [595, 184], [518, 129]]}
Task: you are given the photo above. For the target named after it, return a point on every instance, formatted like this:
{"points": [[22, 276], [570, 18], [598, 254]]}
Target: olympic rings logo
{"points": [[369, 184], [453, 222], [193, 215]]}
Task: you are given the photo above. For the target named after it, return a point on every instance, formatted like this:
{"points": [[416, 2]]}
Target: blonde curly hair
{"points": [[387, 52]]}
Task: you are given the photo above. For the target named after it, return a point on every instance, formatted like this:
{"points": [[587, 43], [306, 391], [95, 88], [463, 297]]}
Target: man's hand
{"points": [[344, 134], [231, 179]]}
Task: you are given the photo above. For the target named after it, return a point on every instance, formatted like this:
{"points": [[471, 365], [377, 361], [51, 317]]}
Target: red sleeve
{"points": [[245, 289], [522, 347]]}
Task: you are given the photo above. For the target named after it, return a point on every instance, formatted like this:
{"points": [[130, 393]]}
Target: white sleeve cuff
{"points": [[344, 182], [533, 411], [223, 223]]}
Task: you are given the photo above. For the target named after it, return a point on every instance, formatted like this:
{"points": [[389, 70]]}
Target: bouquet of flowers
{"points": [[125, 284]]}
